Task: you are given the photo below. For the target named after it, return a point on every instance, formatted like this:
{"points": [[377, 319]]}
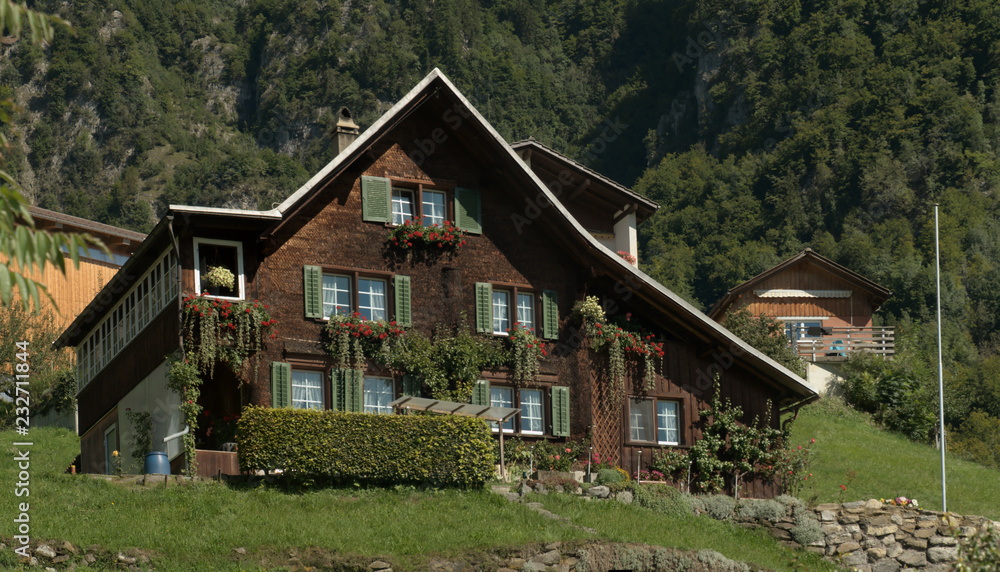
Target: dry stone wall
{"points": [[871, 536]]}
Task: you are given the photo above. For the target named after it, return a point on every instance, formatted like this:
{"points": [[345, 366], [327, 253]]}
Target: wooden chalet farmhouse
{"points": [[537, 242], [827, 310]]}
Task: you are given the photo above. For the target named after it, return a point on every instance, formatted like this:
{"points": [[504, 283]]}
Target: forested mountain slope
{"points": [[761, 126]]}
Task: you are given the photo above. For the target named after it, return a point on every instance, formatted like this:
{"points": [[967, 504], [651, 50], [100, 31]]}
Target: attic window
{"points": [[211, 254]]}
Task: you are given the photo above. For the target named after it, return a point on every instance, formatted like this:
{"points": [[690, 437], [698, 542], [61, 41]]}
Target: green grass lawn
{"points": [[197, 527], [886, 464]]}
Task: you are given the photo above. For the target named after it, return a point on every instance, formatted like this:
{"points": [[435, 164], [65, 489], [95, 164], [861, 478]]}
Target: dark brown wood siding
{"points": [[131, 366]]}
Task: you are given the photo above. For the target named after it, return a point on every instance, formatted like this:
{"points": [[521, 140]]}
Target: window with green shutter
{"points": [[468, 210], [281, 384], [481, 393], [312, 290], [560, 411], [376, 199], [484, 307], [401, 287], [550, 315]]}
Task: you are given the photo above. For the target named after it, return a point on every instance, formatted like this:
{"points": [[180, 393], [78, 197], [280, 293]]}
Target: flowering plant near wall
{"points": [[352, 339], [220, 276], [220, 330], [557, 456], [622, 338], [412, 234], [627, 256], [525, 351]]}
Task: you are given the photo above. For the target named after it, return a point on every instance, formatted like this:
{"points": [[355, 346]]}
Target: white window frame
{"points": [[530, 297], [423, 208], [374, 408], [654, 418], [308, 404], [495, 308], [350, 292], [239, 263], [541, 411], [397, 199], [385, 298], [665, 418], [502, 403]]}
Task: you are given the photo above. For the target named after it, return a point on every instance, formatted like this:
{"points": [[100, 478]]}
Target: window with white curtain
{"points": [[378, 395], [307, 389], [531, 411]]}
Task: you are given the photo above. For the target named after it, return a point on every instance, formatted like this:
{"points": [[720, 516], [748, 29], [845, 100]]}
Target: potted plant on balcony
{"points": [[219, 277]]}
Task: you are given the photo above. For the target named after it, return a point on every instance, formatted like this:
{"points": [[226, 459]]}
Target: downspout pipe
{"points": [[180, 282]]}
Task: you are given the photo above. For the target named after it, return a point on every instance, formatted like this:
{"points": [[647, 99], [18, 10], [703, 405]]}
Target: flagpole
{"points": [[937, 262]]}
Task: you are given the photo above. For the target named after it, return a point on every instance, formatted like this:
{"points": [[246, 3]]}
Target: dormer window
{"points": [[215, 262]]}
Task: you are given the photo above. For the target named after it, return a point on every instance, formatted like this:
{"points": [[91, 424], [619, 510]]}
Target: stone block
{"points": [[926, 521], [881, 529], [855, 504], [828, 506], [516, 563], [873, 504], [896, 519], [854, 559], [870, 542], [827, 516], [785, 525], [550, 558], [942, 554], [839, 538], [876, 553], [888, 540], [966, 531], [599, 491], [908, 528], [379, 565], [780, 534], [886, 565], [831, 528], [894, 550], [942, 541], [624, 497], [46, 551], [848, 547], [912, 558], [924, 533], [915, 543], [846, 519], [852, 528]]}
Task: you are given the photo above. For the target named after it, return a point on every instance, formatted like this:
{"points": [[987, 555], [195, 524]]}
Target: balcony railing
{"points": [[835, 344]]}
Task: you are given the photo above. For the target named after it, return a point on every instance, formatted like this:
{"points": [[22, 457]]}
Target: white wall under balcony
{"points": [[152, 395], [822, 374], [627, 236]]}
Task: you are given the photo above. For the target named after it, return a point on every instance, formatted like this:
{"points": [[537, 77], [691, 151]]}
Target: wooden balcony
{"points": [[836, 344]]}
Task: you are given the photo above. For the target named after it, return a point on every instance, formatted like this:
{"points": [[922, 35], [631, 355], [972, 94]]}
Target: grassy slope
{"points": [[197, 527], [887, 465]]}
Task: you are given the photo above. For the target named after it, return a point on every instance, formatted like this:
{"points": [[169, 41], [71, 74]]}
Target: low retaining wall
{"points": [[876, 537]]}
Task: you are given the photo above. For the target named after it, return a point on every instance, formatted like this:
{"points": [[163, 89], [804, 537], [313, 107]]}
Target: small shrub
{"points": [[769, 510], [661, 498], [807, 529], [720, 507], [716, 561], [980, 551], [788, 500], [621, 486], [609, 476], [696, 504]]}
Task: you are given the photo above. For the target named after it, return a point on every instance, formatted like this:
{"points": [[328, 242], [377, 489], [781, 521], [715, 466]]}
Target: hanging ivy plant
{"points": [[352, 339], [183, 380], [524, 352], [619, 340], [220, 330]]}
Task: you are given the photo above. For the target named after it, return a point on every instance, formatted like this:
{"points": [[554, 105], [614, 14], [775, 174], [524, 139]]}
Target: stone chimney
{"points": [[346, 131]]}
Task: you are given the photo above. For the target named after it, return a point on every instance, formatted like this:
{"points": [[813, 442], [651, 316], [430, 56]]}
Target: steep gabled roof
{"points": [[878, 293], [64, 220], [606, 188], [566, 228]]}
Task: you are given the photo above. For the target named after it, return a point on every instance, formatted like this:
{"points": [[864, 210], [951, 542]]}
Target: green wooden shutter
{"points": [[337, 390], [484, 307], [411, 386], [481, 393], [281, 384], [550, 315], [356, 393], [376, 199], [312, 289], [468, 210], [560, 411], [402, 294]]}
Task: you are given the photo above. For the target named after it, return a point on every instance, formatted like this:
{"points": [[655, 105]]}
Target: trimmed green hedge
{"points": [[373, 449]]}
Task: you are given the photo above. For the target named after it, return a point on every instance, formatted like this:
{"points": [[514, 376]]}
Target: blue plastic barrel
{"points": [[156, 464]]}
